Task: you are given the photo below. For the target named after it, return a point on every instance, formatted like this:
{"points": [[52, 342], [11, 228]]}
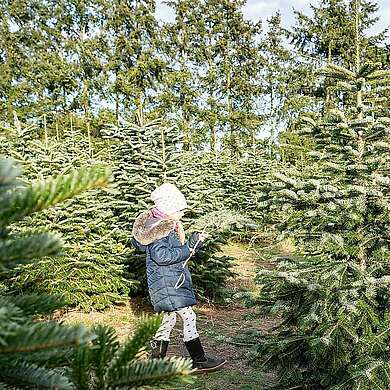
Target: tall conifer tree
{"points": [[333, 296], [180, 93], [133, 60], [329, 37]]}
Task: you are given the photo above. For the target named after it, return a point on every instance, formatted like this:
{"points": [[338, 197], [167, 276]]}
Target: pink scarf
{"points": [[158, 214]]}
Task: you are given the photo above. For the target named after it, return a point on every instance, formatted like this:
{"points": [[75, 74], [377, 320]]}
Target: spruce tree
{"points": [[37, 65], [179, 97], [248, 175], [82, 26], [204, 179], [332, 296], [227, 60], [90, 274], [238, 82], [330, 33], [328, 37], [285, 75], [146, 155], [30, 349], [134, 64]]}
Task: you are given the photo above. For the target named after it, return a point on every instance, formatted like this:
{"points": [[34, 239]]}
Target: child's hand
{"points": [[203, 236], [196, 240]]}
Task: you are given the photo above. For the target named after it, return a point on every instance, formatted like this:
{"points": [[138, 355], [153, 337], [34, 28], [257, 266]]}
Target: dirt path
{"points": [[217, 325]]}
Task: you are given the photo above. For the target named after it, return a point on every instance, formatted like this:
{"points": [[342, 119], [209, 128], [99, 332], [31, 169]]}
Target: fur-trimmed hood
{"points": [[147, 229]]}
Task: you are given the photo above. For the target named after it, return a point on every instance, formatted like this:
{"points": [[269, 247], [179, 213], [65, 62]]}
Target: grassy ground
{"points": [[217, 324]]}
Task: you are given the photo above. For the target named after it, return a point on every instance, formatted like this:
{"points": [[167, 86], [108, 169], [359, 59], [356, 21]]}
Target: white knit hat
{"points": [[168, 198]]}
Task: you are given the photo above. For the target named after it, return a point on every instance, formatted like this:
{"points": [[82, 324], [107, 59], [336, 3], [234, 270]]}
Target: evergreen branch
{"points": [[145, 331], [220, 221], [50, 358], [29, 247], [105, 346], [155, 372], [34, 304], [3, 386], [24, 201], [337, 71], [383, 75], [27, 374], [39, 336], [80, 367]]}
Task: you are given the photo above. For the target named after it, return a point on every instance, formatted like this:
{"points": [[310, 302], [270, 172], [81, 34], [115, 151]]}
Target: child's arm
{"points": [[164, 254]]}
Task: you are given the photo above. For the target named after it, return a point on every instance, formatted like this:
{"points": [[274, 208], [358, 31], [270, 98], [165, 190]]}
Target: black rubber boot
{"points": [[159, 349], [199, 360]]}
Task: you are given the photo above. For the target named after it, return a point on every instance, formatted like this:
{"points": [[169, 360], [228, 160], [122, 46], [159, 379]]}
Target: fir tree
{"points": [[227, 59], [84, 41], [146, 156], [29, 348], [332, 297], [90, 274], [328, 36], [284, 77], [180, 95], [133, 60], [248, 175]]}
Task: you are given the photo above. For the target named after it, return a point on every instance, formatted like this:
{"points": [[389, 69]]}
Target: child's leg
{"points": [[189, 323], [168, 323], [193, 344]]}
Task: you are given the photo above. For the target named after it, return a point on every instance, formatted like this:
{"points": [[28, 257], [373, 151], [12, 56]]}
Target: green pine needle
{"points": [[40, 336], [146, 329], [33, 376], [17, 204], [27, 247], [155, 372], [33, 304]]}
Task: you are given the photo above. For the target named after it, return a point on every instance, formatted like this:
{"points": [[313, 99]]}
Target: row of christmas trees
{"points": [[99, 266], [332, 294]]}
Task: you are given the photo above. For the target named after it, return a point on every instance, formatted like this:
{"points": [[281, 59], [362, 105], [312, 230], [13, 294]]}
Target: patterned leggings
{"points": [[188, 317]]}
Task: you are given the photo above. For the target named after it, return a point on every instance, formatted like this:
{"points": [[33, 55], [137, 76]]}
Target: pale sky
{"points": [[263, 9]]}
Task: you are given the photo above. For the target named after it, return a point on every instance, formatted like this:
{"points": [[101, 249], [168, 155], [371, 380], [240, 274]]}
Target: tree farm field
{"points": [[137, 136]]}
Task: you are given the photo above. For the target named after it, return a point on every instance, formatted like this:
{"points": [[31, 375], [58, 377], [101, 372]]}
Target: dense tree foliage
{"points": [[219, 77], [30, 349], [333, 295], [45, 354], [286, 126]]}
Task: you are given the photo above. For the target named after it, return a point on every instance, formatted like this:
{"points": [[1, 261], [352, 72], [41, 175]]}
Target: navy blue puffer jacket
{"points": [[165, 256]]}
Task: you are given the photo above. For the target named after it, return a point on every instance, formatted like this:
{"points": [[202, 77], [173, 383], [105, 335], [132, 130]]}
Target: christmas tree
{"points": [[28, 349], [147, 154], [332, 296], [90, 273]]}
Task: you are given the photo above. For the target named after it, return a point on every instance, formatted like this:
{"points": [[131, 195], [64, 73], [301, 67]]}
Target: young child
{"points": [[160, 234]]}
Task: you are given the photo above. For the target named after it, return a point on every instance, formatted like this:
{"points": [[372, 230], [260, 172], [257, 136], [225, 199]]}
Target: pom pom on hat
{"points": [[168, 198]]}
